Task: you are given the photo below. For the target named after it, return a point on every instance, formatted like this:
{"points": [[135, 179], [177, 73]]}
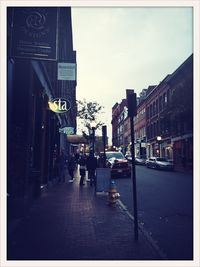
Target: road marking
{"points": [[145, 233]]}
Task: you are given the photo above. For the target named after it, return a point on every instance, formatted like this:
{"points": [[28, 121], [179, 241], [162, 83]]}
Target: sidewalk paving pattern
{"points": [[69, 222]]}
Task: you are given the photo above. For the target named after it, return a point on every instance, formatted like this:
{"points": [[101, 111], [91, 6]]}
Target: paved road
{"points": [[165, 208]]}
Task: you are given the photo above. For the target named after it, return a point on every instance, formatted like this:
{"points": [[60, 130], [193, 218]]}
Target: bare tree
{"points": [[88, 114]]}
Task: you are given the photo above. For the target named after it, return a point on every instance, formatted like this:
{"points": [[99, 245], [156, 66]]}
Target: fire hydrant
{"points": [[113, 195]]}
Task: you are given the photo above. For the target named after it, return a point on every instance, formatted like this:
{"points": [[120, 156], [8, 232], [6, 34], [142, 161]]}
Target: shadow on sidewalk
{"points": [[70, 222]]}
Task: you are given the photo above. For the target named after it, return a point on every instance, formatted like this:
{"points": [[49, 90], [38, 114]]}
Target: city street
{"points": [[72, 123], [165, 208]]}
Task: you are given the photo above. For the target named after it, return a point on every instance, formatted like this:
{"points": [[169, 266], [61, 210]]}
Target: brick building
{"points": [[164, 122], [140, 124], [169, 115], [119, 114]]}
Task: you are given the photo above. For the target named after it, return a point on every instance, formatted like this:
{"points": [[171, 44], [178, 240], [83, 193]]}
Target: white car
{"points": [[159, 163]]}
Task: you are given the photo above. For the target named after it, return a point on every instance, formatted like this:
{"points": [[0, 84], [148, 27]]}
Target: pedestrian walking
{"points": [[82, 163], [91, 165], [71, 166]]}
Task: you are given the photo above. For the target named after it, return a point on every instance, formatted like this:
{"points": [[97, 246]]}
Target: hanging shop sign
{"points": [[34, 33], [143, 144], [67, 71], [59, 105], [67, 130]]}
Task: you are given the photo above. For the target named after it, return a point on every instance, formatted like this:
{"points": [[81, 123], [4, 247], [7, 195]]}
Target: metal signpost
{"points": [[93, 141], [131, 99], [104, 136]]}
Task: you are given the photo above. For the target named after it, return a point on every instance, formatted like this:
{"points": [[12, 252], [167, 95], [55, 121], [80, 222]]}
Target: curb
{"points": [[145, 233]]}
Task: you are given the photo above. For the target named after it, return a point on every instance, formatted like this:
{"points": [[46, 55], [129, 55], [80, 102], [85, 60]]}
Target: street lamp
{"points": [[159, 138]]}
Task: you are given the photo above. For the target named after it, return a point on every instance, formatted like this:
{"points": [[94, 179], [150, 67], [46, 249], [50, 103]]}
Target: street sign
{"points": [[66, 130], [143, 144], [67, 71], [34, 33], [59, 105]]}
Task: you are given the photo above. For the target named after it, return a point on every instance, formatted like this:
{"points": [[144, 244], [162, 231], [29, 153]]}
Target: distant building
{"points": [[179, 115], [164, 122], [156, 101], [114, 122], [119, 113], [140, 125], [169, 117]]}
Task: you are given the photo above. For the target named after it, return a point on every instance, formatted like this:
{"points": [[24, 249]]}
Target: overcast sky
{"points": [[127, 48]]}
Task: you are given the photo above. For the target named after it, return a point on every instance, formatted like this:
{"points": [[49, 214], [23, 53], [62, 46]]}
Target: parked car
{"points": [[159, 163], [128, 157], [118, 163], [140, 161]]}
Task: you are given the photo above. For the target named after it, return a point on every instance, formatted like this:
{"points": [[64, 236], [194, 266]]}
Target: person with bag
{"points": [[82, 168]]}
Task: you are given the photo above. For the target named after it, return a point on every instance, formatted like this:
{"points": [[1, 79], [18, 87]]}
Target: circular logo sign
{"points": [[36, 20], [59, 105]]}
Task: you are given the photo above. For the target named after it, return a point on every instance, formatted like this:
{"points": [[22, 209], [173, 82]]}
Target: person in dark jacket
{"points": [[82, 163], [91, 165]]}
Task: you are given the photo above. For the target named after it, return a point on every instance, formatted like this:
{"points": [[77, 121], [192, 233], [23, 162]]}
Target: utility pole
{"points": [[104, 137], [132, 111], [93, 141]]}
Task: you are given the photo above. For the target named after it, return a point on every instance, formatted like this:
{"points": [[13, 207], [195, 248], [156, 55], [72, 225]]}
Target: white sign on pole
{"points": [[67, 71]]}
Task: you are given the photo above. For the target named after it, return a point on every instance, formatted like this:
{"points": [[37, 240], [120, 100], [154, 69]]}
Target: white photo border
{"points": [[3, 133]]}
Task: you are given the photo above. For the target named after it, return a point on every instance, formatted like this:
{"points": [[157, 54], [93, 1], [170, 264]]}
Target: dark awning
{"points": [[77, 139]]}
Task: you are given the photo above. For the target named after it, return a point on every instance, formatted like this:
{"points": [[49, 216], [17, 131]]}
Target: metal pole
{"points": [[160, 149], [93, 138], [134, 179], [140, 148], [104, 134], [104, 155]]}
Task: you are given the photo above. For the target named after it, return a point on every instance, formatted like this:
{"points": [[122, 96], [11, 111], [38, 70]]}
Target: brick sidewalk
{"points": [[69, 222]]}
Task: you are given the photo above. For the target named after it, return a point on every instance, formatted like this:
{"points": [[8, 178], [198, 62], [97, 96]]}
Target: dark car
{"points": [[159, 163], [118, 163]]}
